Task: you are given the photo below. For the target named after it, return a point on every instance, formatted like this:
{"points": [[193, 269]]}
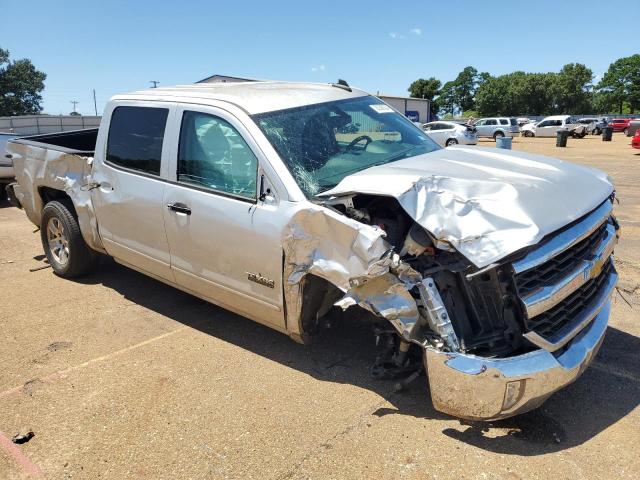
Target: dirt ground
{"points": [[120, 376]]}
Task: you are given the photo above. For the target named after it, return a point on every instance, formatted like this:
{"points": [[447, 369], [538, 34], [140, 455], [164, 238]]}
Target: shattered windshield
{"points": [[321, 144]]}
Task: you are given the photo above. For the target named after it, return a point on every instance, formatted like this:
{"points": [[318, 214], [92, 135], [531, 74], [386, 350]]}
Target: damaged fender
{"points": [[68, 172], [357, 259]]}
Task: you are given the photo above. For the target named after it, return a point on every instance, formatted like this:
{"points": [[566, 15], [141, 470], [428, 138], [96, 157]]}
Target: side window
{"points": [[427, 128], [212, 154], [492, 122], [504, 121], [479, 123], [135, 138], [544, 124]]}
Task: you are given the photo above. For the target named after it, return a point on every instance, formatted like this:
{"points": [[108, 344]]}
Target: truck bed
{"points": [[81, 142], [56, 167]]}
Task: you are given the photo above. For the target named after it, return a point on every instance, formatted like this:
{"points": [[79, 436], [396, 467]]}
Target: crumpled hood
{"points": [[487, 203]]}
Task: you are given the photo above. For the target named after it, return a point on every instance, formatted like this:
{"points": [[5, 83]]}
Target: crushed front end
{"points": [[496, 341]]}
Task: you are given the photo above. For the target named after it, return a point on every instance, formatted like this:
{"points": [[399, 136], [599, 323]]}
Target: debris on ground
{"points": [[23, 436], [55, 346], [41, 267]]}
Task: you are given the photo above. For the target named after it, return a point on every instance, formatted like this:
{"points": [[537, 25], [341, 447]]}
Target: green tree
{"points": [[448, 100], [426, 88], [621, 83], [465, 84], [571, 88], [20, 86]]}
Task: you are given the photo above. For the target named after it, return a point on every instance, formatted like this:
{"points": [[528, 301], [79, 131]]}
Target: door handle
{"points": [[179, 208]]}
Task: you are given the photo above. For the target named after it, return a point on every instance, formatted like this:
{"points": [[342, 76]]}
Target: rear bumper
{"points": [[464, 140], [477, 388]]}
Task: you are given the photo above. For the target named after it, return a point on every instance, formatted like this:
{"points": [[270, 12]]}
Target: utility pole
{"points": [[155, 83], [75, 102], [95, 105]]}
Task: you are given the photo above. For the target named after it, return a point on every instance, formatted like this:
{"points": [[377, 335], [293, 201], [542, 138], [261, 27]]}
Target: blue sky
{"points": [[117, 46]]}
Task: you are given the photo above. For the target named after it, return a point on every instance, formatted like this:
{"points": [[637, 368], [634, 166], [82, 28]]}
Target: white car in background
{"points": [[6, 165], [451, 133], [549, 126]]}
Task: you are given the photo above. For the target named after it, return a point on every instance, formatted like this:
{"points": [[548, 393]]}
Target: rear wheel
{"points": [[451, 141], [66, 250], [498, 135]]}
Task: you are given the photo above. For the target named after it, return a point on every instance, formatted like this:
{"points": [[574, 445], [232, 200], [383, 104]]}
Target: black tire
{"points": [[597, 131], [498, 135], [528, 134], [74, 258], [626, 131], [451, 141]]}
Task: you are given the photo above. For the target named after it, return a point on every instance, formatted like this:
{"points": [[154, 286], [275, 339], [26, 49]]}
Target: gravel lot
{"points": [[120, 376]]}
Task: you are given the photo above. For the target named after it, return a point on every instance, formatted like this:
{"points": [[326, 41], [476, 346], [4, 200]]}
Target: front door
{"points": [[130, 183], [225, 242]]}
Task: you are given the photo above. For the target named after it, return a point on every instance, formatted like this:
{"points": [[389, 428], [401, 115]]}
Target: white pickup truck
{"points": [[291, 202]]}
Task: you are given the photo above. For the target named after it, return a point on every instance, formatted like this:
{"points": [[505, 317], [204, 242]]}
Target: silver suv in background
{"points": [[497, 127]]}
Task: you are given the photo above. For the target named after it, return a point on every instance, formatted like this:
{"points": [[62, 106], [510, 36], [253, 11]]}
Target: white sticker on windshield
{"points": [[381, 108]]}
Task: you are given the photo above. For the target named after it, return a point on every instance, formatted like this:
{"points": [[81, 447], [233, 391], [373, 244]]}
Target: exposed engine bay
{"points": [[481, 302]]}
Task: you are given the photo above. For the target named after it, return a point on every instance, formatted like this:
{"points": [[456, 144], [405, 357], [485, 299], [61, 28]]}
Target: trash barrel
{"points": [[503, 142], [607, 134], [561, 138]]}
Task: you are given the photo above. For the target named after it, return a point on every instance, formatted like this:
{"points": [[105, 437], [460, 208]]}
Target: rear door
{"points": [[225, 242], [547, 128], [131, 173]]}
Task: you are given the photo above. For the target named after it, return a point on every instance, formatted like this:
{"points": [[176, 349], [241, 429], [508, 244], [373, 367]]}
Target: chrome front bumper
{"points": [[477, 388]]}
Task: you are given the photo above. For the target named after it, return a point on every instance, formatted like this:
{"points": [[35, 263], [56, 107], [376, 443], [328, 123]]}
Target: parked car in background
{"points": [[635, 141], [594, 125], [451, 133], [634, 126], [523, 121], [6, 165], [497, 127], [620, 125], [549, 126]]}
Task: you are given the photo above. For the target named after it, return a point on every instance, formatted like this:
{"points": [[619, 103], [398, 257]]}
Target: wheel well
{"points": [[318, 297], [48, 194]]}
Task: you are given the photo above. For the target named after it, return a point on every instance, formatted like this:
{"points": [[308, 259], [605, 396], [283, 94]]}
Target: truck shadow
{"points": [[607, 392]]}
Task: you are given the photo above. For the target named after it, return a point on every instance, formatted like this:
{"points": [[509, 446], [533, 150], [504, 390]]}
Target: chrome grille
{"points": [[551, 322], [567, 279], [559, 266]]}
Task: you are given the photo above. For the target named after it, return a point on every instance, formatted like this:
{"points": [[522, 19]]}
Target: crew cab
{"points": [[549, 126], [289, 203]]}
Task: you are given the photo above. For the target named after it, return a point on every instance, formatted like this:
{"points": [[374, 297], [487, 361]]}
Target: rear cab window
{"points": [[135, 138]]}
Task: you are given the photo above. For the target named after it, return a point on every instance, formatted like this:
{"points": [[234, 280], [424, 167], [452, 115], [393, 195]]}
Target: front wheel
{"points": [[66, 250], [626, 131], [529, 134], [451, 141]]}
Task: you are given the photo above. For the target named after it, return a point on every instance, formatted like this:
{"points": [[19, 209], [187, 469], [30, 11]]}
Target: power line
{"points": [[155, 83]]}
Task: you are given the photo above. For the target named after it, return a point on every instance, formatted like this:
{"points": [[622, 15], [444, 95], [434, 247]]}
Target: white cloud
{"points": [[416, 31], [397, 36], [318, 68]]}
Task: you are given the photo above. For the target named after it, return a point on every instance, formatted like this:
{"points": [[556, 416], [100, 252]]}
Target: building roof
{"points": [[253, 97]]}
